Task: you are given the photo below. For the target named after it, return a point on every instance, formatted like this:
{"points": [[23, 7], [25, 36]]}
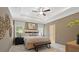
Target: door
{"points": [[52, 33]]}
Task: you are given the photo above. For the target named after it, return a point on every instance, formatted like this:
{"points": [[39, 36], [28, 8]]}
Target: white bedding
{"points": [[29, 40]]}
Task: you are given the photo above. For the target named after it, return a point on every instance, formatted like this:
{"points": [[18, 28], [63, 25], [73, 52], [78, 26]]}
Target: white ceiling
{"points": [[26, 14]]}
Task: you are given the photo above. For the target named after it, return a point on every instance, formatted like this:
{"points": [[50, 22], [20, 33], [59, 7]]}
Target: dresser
{"points": [[72, 46]]}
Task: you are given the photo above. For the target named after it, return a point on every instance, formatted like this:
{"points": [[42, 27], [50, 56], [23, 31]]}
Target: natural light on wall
{"points": [[19, 31]]}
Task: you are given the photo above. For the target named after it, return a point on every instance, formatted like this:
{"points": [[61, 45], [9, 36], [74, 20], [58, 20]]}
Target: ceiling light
{"points": [[40, 13], [41, 10]]}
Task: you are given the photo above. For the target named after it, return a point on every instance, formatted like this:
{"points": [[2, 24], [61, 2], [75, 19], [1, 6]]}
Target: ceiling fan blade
{"points": [[44, 14], [46, 10], [34, 11]]}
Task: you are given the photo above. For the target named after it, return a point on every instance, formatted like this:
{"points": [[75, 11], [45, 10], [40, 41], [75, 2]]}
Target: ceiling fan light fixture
{"points": [[40, 13], [42, 10]]}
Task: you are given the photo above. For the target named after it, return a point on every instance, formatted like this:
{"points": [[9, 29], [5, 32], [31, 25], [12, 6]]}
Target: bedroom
{"points": [[42, 24]]}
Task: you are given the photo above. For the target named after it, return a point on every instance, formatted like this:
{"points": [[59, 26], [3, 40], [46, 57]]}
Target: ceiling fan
{"points": [[41, 10]]}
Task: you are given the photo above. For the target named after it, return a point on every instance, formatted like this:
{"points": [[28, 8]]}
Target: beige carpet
{"points": [[54, 48]]}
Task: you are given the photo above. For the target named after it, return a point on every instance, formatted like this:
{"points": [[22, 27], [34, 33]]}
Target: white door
{"points": [[52, 33]]}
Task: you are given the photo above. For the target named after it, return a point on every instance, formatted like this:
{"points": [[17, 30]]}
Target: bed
{"points": [[30, 40]]}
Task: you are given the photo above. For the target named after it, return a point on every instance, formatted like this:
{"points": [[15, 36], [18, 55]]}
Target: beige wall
{"points": [[6, 42], [63, 33]]}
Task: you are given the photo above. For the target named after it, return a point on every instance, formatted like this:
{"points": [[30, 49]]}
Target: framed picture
{"points": [[32, 26]]}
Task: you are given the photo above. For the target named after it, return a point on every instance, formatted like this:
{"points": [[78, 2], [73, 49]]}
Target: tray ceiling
{"points": [[26, 14]]}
